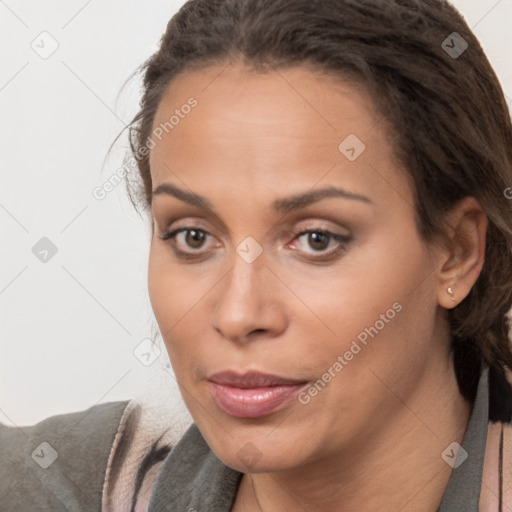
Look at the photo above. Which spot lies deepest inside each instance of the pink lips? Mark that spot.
(252, 394)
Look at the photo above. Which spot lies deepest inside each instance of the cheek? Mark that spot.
(177, 299)
(166, 301)
(173, 291)
(161, 299)
(365, 284)
(380, 313)
(377, 300)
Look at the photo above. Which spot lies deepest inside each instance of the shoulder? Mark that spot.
(145, 438)
(496, 490)
(60, 462)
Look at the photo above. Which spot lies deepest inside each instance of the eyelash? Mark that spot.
(342, 240)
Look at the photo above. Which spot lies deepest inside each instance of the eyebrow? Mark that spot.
(282, 205)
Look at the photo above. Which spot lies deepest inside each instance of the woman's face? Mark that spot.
(346, 315)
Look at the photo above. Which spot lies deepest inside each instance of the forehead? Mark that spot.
(234, 100)
(261, 127)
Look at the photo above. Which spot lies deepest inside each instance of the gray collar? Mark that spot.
(193, 478)
(463, 491)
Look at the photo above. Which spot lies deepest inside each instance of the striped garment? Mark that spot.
(126, 456)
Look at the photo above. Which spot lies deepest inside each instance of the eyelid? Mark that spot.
(312, 225)
(319, 225)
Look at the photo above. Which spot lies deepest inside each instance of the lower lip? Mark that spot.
(254, 402)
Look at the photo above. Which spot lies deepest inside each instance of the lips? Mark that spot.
(252, 394)
(252, 380)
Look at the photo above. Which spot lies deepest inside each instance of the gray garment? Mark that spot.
(463, 491)
(193, 478)
(71, 482)
(190, 478)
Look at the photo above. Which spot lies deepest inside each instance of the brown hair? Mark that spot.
(450, 123)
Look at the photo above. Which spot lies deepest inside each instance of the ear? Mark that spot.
(463, 258)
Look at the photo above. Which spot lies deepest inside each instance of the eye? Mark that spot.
(319, 240)
(192, 237)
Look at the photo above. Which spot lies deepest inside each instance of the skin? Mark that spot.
(372, 438)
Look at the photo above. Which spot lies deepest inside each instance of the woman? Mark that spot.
(328, 188)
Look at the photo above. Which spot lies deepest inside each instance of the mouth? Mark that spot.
(252, 394)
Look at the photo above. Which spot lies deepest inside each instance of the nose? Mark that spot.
(250, 303)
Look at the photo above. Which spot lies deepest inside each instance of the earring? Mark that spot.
(450, 291)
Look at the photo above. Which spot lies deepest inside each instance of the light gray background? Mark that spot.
(69, 326)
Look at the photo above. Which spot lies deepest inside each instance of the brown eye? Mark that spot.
(194, 238)
(318, 241)
(191, 241)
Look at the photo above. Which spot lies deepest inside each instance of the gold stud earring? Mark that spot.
(450, 291)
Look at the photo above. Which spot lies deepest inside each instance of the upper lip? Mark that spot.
(252, 379)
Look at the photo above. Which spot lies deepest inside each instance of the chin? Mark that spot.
(255, 453)
(248, 461)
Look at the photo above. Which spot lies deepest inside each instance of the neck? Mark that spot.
(398, 468)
